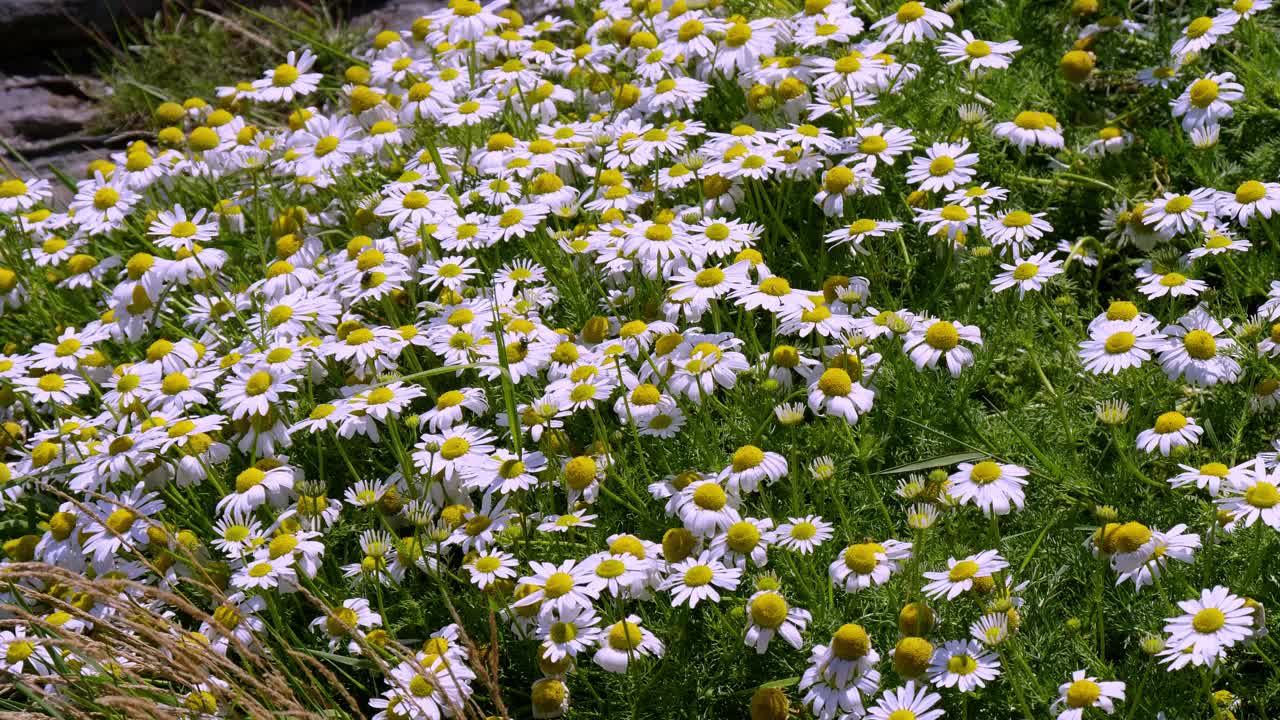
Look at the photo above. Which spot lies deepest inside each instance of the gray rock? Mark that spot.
(39, 26)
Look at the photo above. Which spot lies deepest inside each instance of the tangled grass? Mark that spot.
(865, 360)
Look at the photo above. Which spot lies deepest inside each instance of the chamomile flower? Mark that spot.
(1197, 351)
(1016, 229)
(1201, 34)
(1029, 274)
(978, 54)
(964, 665)
(624, 641)
(1171, 282)
(969, 573)
(803, 534)
(993, 487)
(835, 392)
(1030, 128)
(931, 340)
(697, 579)
(864, 565)
(1171, 430)
(907, 702)
(1178, 214)
(560, 588)
(1251, 496)
(769, 614)
(1116, 345)
(490, 567)
(911, 22)
(859, 230)
(944, 166)
(1108, 141)
(1250, 198)
(288, 80)
(1209, 626)
(1085, 691)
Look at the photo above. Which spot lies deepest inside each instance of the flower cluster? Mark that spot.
(560, 321)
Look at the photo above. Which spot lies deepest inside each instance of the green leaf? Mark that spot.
(940, 461)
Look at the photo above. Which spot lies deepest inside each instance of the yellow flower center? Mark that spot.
(1083, 693)
(909, 12)
(697, 576)
(1199, 27)
(12, 189)
(284, 75)
(258, 383)
(769, 610)
(121, 520)
(850, 642)
(1208, 620)
(1262, 495)
(51, 382)
(105, 198)
(985, 473)
(940, 165)
(710, 496)
(249, 479)
(1200, 345)
(625, 636)
(963, 570)
(861, 558)
(709, 278)
(1017, 219)
(558, 584)
(1170, 422)
(1025, 271)
(1250, 191)
(837, 179)
(454, 448)
(962, 664)
(743, 537)
(942, 335)
(1120, 342)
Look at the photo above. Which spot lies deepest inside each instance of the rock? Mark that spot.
(41, 26)
(395, 14)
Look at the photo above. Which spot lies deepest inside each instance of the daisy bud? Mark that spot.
(911, 656)
(203, 139)
(790, 89)
(357, 74)
(1077, 65)
(595, 329)
(1073, 624)
(677, 544)
(769, 703)
(915, 619)
(1105, 514)
(171, 136)
(21, 549)
(170, 113)
(420, 28)
(1152, 645)
(555, 668)
(768, 581)
(1084, 8)
(626, 96)
(1112, 412)
(549, 697)
(1225, 517)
